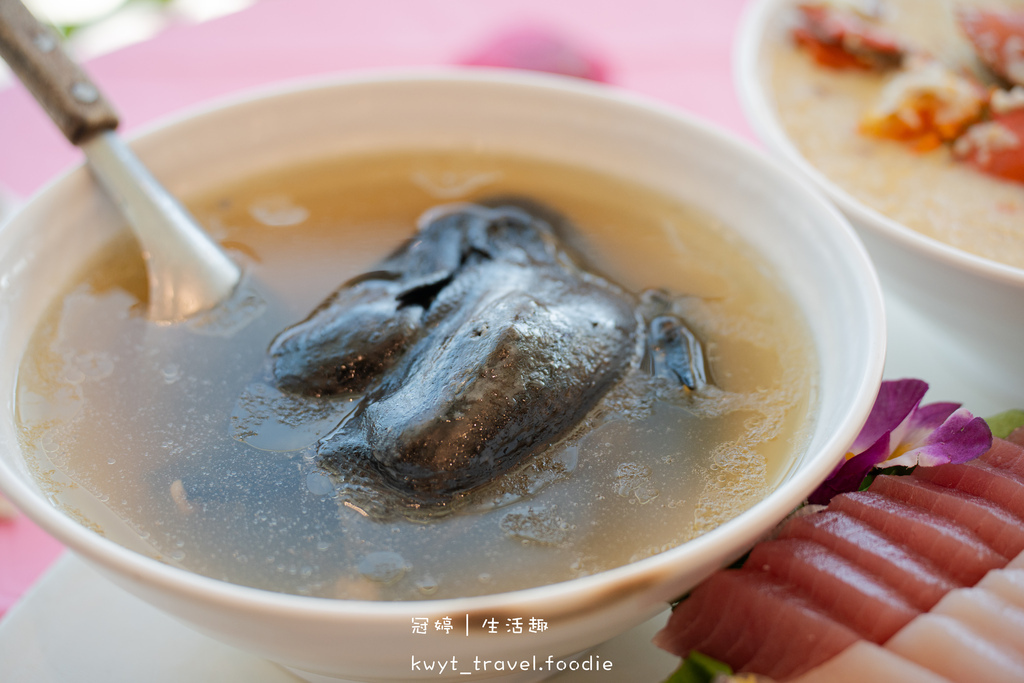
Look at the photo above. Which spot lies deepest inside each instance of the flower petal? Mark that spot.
(932, 416)
(895, 402)
(852, 472)
(961, 437)
(921, 422)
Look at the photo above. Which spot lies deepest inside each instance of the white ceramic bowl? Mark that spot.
(972, 307)
(810, 245)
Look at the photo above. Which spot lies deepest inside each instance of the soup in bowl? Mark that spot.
(695, 340)
(943, 229)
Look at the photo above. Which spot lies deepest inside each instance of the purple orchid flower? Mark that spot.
(901, 432)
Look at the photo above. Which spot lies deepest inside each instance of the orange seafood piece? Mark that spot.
(996, 147)
(842, 40)
(926, 104)
(998, 38)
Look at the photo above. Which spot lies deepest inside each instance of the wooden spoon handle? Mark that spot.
(34, 53)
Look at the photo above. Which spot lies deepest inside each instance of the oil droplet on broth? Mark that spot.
(383, 567)
(217, 456)
(427, 586)
(272, 420)
(448, 185)
(319, 483)
(171, 373)
(278, 212)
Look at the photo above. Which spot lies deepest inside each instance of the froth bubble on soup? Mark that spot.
(169, 439)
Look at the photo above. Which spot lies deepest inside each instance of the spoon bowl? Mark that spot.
(187, 271)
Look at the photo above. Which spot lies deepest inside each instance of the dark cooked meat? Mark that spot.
(474, 345)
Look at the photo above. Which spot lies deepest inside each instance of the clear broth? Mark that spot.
(163, 438)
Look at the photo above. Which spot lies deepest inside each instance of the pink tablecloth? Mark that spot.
(678, 51)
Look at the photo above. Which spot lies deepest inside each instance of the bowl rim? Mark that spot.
(658, 568)
(748, 71)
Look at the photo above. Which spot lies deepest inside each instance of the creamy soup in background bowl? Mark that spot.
(945, 238)
(136, 445)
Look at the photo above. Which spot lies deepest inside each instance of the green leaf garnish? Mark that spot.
(895, 470)
(1003, 424)
(698, 668)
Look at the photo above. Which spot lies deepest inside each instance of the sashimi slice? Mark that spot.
(1000, 530)
(947, 647)
(1005, 455)
(843, 590)
(866, 662)
(710, 617)
(767, 627)
(1016, 563)
(1017, 436)
(1007, 584)
(920, 581)
(789, 652)
(986, 614)
(965, 556)
(999, 486)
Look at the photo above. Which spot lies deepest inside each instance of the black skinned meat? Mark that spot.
(474, 345)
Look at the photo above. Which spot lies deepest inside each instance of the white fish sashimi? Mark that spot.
(986, 614)
(1016, 563)
(864, 661)
(946, 646)
(1007, 584)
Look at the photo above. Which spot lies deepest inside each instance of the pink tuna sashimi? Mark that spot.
(1000, 530)
(965, 556)
(843, 590)
(1017, 436)
(1001, 487)
(1005, 455)
(761, 624)
(864, 661)
(986, 614)
(949, 648)
(709, 619)
(792, 647)
(918, 580)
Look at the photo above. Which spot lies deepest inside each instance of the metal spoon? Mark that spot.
(187, 271)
